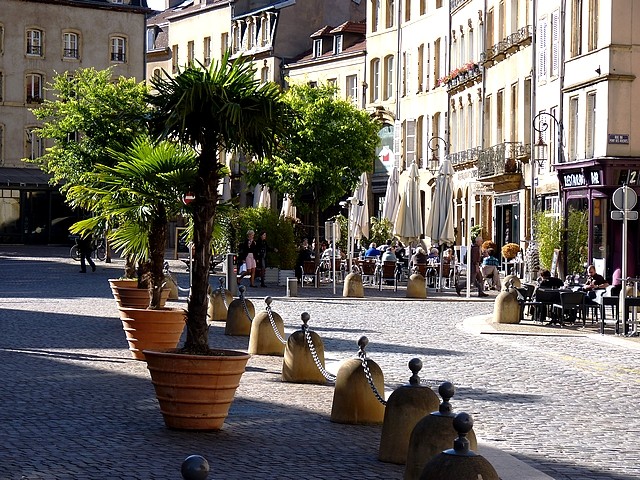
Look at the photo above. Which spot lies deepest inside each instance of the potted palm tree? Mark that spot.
(138, 194)
(217, 109)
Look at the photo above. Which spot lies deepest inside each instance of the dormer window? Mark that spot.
(317, 48)
(337, 44)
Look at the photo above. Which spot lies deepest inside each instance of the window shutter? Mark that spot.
(397, 136)
(542, 50)
(410, 142)
(555, 43)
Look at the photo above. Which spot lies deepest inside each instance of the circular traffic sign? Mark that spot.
(188, 197)
(618, 198)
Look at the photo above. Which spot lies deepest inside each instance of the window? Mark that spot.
(390, 13)
(513, 114)
(157, 74)
(206, 50)
(488, 41)
(500, 116)
(470, 141)
(525, 117)
(224, 43)
(174, 59)
(501, 22)
(317, 48)
(264, 31)
(118, 49)
(1, 39)
(407, 10)
(573, 128)
(375, 14)
(436, 60)
(34, 42)
(375, 79)
(251, 34)
(1, 144)
(593, 24)
(151, 38)
(555, 44)
(576, 28)
(33, 88)
(420, 67)
(438, 3)
(487, 121)
(591, 124)
(542, 50)
(514, 15)
(389, 71)
(190, 52)
(70, 42)
(337, 44)
(405, 68)
(33, 144)
(1, 86)
(351, 88)
(237, 35)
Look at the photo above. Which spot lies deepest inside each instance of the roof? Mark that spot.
(323, 32)
(22, 176)
(351, 27)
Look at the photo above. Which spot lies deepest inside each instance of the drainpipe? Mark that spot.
(532, 114)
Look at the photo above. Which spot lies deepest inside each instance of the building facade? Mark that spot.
(56, 36)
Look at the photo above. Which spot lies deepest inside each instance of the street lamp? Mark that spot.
(541, 125)
(433, 164)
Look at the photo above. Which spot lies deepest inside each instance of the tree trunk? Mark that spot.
(204, 208)
(157, 247)
(316, 226)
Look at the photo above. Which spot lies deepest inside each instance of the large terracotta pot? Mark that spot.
(195, 391)
(131, 296)
(157, 329)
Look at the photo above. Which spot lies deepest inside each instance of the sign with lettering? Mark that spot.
(619, 138)
(595, 177)
(574, 180)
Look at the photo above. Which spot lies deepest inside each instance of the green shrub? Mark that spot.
(548, 236)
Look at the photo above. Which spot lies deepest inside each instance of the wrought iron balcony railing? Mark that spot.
(501, 159)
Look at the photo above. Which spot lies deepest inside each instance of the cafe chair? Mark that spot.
(571, 306)
(309, 273)
(525, 297)
(541, 303)
(368, 268)
(388, 272)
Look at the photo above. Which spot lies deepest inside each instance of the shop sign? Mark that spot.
(576, 179)
(508, 199)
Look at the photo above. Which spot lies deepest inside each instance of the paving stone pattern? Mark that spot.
(75, 405)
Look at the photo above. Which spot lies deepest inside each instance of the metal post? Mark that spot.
(333, 253)
(232, 280)
(623, 306)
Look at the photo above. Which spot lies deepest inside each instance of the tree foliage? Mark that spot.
(92, 112)
(548, 235)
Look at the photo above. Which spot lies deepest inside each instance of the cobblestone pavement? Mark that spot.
(76, 406)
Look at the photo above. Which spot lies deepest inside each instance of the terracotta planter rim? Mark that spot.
(166, 309)
(223, 354)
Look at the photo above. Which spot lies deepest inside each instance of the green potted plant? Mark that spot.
(138, 194)
(215, 109)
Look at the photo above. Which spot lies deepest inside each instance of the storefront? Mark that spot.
(586, 189)
(507, 218)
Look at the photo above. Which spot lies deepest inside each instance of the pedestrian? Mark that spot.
(490, 266)
(304, 255)
(476, 273)
(261, 260)
(85, 247)
(247, 256)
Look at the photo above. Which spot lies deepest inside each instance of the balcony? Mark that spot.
(464, 159)
(507, 46)
(502, 165)
(463, 78)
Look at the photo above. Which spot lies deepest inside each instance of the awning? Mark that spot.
(23, 177)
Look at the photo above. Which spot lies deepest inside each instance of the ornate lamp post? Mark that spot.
(433, 164)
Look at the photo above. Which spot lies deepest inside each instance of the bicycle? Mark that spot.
(98, 250)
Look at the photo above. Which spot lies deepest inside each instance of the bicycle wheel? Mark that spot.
(75, 253)
(101, 253)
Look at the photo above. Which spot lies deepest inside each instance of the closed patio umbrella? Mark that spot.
(287, 210)
(408, 221)
(262, 197)
(359, 218)
(391, 199)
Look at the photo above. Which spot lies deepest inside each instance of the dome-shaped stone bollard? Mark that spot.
(416, 286)
(433, 434)
(459, 462)
(353, 286)
(513, 279)
(195, 467)
(506, 308)
(171, 284)
(219, 301)
(263, 339)
(405, 407)
(354, 401)
(239, 316)
(298, 365)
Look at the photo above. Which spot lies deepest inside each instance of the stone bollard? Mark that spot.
(353, 286)
(171, 284)
(433, 434)
(354, 400)
(506, 308)
(263, 339)
(459, 462)
(298, 365)
(239, 316)
(219, 301)
(514, 279)
(416, 286)
(405, 407)
(195, 467)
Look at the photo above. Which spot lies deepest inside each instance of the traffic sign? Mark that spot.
(618, 198)
(619, 215)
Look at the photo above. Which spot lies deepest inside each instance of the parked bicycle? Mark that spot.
(98, 249)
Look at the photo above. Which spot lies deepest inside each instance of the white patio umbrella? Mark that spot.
(226, 189)
(288, 210)
(391, 199)
(359, 214)
(408, 221)
(440, 222)
(262, 197)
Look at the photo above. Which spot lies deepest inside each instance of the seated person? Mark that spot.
(372, 251)
(489, 268)
(420, 257)
(434, 254)
(616, 282)
(389, 255)
(594, 282)
(547, 281)
(304, 254)
(401, 252)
